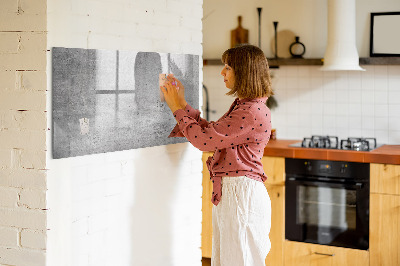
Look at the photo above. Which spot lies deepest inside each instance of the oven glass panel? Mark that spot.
(326, 207)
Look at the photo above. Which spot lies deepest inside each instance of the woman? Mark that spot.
(242, 208)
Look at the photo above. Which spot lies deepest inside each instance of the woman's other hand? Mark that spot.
(181, 92)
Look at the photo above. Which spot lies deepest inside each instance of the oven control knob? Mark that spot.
(308, 166)
(343, 168)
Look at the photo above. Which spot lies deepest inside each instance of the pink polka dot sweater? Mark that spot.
(238, 139)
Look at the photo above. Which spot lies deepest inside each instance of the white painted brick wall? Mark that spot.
(34, 239)
(22, 256)
(23, 16)
(33, 198)
(21, 100)
(123, 208)
(9, 237)
(23, 218)
(22, 178)
(8, 197)
(23, 132)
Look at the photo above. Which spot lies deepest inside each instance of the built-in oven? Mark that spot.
(327, 202)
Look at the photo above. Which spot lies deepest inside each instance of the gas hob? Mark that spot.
(332, 142)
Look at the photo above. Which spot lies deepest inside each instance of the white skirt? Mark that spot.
(241, 223)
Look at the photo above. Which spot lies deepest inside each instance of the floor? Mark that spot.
(206, 261)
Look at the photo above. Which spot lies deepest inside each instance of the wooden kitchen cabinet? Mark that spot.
(274, 168)
(385, 178)
(277, 233)
(384, 236)
(206, 225)
(305, 254)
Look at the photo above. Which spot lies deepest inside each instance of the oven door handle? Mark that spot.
(357, 185)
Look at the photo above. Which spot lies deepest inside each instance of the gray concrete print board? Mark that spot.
(109, 100)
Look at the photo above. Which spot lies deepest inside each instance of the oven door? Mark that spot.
(327, 213)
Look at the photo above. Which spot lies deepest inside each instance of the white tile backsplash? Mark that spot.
(382, 136)
(304, 72)
(381, 97)
(381, 122)
(342, 123)
(394, 82)
(343, 103)
(355, 96)
(304, 82)
(342, 81)
(342, 109)
(292, 83)
(367, 96)
(291, 71)
(394, 110)
(380, 71)
(394, 137)
(381, 110)
(368, 123)
(393, 71)
(329, 109)
(381, 83)
(394, 123)
(394, 97)
(367, 110)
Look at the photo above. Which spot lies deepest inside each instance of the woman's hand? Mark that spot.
(171, 94)
(181, 92)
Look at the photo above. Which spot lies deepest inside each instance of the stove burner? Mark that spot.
(328, 142)
(358, 144)
(332, 142)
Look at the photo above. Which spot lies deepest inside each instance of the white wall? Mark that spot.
(136, 207)
(23, 133)
(305, 18)
(311, 102)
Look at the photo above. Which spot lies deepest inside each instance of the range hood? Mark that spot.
(341, 51)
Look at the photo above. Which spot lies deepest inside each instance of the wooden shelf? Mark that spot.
(380, 61)
(273, 63)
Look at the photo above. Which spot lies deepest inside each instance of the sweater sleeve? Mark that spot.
(193, 113)
(229, 131)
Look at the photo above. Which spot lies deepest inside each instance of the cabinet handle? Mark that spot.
(325, 254)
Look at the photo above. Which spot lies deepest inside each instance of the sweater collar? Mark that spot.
(261, 99)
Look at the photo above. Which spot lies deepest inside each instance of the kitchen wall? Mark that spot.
(343, 103)
(135, 207)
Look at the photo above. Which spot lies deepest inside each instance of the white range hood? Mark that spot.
(341, 51)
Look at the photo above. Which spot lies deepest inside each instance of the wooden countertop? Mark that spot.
(389, 154)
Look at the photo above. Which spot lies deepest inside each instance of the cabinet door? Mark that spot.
(274, 168)
(277, 233)
(206, 232)
(384, 230)
(385, 178)
(305, 254)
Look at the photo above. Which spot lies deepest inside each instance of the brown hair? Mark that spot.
(250, 66)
